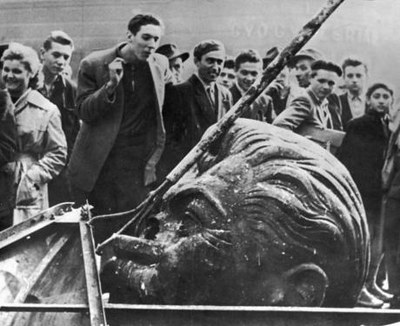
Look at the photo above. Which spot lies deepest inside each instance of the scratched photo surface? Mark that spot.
(366, 29)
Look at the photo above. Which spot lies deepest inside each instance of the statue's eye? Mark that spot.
(189, 224)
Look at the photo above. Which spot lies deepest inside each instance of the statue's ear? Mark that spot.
(306, 286)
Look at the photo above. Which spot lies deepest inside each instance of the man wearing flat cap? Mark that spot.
(196, 104)
(309, 113)
(176, 59)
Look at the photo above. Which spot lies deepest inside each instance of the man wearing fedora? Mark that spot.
(176, 59)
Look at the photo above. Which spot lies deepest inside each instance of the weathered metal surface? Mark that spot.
(41, 262)
(93, 287)
(124, 315)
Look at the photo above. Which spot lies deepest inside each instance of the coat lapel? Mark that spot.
(203, 101)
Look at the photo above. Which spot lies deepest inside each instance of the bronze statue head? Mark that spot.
(265, 218)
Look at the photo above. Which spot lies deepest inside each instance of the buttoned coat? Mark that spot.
(346, 114)
(362, 153)
(41, 152)
(102, 117)
(188, 113)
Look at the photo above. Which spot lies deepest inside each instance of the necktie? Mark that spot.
(210, 92)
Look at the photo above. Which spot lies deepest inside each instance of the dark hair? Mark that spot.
(325, 65)
(58, 37)
(140, 20)
(376, 86)
(353, 62)
(207, 46)
(229, 63)
(249, 55)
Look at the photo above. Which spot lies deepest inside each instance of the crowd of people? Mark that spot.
(113, 136)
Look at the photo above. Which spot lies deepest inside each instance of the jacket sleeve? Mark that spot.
(297, 112)
(8, 129)
(92, 101)
(54, 152)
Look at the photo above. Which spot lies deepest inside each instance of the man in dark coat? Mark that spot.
(120, 95)
(56, 54)
(362, 152)
(193, 106)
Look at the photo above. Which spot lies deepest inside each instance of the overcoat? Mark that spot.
(102, 117)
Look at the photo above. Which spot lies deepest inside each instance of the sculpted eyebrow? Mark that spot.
(215, 203)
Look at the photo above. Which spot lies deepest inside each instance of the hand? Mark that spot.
(27, 192)
(277, 84)
(116, 73)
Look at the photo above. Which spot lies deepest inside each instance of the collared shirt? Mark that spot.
(210, 89)
(322, 111)
(357, 105)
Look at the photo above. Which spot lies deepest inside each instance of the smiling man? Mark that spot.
(311, 108)
(248, 67)
(120, 95)
(196, 104)
(56, 55)
(200, 101)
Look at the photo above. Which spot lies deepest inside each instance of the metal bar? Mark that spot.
(96, 309)
(31, 225)
(34, 307)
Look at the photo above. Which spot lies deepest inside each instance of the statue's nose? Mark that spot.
(140, 250)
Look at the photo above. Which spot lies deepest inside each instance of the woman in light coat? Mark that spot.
(41, 145)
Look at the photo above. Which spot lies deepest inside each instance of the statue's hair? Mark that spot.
(304, 199)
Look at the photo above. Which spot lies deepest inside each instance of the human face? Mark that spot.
(15, 77)
(355, 78)
(303, 71)
(176, 67)
(144, 43)
(227, 77)
(247, 74)
(210, 66)
(380, 101)
(56, 58)
(323, 82)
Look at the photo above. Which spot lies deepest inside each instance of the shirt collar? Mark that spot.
(353, 98)
(241, 90)
(314, 97)
(206, 87)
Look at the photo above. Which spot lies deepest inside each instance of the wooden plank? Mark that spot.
(96, 308)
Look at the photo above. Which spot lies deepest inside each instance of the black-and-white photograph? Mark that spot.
(214, 162)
